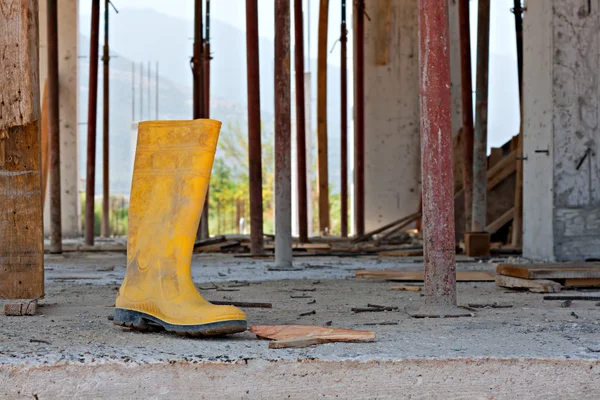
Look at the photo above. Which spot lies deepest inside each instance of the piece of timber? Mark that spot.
(304, 246)
(217, 247)
(500, 222)
(579, 270)
(297, 343)
(402, 253)
(581, 282)
(382, 39)
(287, 332)
(368, 235)
(407, 288)
(417, 276)
(533, 285)
(45, 128)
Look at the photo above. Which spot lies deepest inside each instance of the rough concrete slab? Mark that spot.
(71, 349)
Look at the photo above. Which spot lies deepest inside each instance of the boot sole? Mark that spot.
(147, 323)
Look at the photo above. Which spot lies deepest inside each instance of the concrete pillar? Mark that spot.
(392, 144)
(561, 177)
(68, 33)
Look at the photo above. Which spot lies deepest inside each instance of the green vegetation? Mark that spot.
(118, 215)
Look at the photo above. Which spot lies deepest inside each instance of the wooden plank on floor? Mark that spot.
(418, 276)
(304, 246)
(401, 253)
(581, 282)
(574, 270)
(533, 285)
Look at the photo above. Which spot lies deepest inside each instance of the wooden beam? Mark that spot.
(382, 38)
(323, 172)
(578, 270)
(416, 276)
(500, 222)
(21, 240)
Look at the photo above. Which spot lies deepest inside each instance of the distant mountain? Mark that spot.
(143, 35)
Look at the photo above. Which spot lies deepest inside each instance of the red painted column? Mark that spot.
(254, 142)
(436, 162)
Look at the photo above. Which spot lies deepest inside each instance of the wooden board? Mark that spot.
(581, 282)
(576, 270)
(382, 38)
(402, 253)
(326, 334)
(533, 285)
(304, 246)
(407, 288)
(418, 276)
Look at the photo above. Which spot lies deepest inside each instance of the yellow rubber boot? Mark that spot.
(172, 169)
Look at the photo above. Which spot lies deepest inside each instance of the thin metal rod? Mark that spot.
(517, 228)
(149, 87)
(132, 93)
(322, 151)
(141, 91)
(199, 104)
(254, 140)
(467, 107)
(105, 225)
(436, 156)
(344, 124)
(156, 93)
(204, 220)
(54, 125)
(91, 138)
(359, 127)
(300, 122)
(481, 112)
(283, 175)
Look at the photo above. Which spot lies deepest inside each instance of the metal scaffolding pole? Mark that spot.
(344, 124)
(481, 111)
(436, 162)
(204, 228)
(254, 141)
(359, 117)
(54, 125)
(300, 121)
(322, 161)
(91, 137)
(105, 225)
(283, 175)
(156, 93)
(517, 231)
(467, 107)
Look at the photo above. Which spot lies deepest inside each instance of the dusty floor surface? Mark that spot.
(536, 349)
(73, 326)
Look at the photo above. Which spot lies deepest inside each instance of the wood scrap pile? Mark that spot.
(548, 278)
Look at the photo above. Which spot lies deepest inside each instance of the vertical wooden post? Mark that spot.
(283, 150)
(254, 141)
(54, 125)
(322, 165)
(21, 236)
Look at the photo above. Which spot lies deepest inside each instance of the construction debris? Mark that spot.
(573, 298)
(408, 288)
(297, 336)
(21, 308)
(548, 278)
(242, 304)
(418, 276)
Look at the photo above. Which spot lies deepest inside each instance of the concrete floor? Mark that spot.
(498, 352)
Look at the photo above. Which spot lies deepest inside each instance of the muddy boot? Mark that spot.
(172, 169)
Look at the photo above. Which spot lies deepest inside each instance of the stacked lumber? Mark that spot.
(548, 278)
